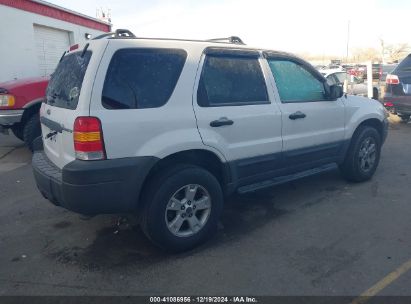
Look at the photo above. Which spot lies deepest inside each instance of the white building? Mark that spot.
(34, 34)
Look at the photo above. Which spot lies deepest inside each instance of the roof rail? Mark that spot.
(231, 39)
(120, 33)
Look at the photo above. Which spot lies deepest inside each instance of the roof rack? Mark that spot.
(231, 39)
(120, 33)
(123, 33)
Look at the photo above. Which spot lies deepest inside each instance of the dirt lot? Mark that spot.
(317, 236)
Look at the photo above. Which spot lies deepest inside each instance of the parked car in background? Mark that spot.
(357, 71)
(320, 67)
(20, 102)
(329, 70)
(398, 89)
(387, 69)
(376, 71)
(357, 87)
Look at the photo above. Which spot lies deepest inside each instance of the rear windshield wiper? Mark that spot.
(84, 50)
(62, 56)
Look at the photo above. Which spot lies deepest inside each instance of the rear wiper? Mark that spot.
(62, 56)
(84, 50)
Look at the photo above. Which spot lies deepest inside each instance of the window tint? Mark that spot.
(230, 80)
(405, 65)
(142, 78)
(295, 83)
(65, 83)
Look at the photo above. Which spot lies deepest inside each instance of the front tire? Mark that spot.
(182, 206)
(375, 94)
(18, 131)
(363, 155)
(32, 130)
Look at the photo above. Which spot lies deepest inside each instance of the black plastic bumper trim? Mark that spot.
(93, 187)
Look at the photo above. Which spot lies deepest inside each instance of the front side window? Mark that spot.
(142, 78)
(295, 83)
(231, 80)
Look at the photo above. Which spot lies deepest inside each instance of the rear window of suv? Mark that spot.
(142, 78)
(65, 83)
(405, 64)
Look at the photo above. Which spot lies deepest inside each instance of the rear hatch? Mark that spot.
(403, 71)
(63, 105)
(401, 92)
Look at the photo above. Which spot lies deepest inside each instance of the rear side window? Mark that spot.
(142, 78)
(65, 83)
(405, 65)
(230, 80)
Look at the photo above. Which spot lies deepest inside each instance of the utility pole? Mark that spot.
(345, 87)
(348, 41)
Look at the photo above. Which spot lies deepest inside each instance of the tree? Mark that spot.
(395, 52)
(365, 54)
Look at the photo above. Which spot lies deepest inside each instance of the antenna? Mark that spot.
(103, 14)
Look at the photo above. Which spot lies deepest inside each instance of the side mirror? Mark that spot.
(336, 92)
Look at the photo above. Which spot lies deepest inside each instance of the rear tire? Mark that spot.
(177, 215)
(375, 94)
(18, 131)
(363, 155)
(32, 130)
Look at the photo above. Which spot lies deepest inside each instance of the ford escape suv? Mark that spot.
(167, 128)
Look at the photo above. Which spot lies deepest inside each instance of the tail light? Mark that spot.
(74, 47)
(88, 139)
(388, 104)
(392, 79)
(7, 101)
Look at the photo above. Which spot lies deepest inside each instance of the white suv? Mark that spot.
(168, 128)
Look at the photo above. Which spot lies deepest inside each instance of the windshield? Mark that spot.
(65, 83)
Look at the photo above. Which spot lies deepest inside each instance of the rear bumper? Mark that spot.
(10, 117)
(92, 187)
(401, 104)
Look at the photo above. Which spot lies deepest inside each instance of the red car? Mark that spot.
(20, 102)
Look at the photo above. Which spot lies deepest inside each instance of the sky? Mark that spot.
(316, 27)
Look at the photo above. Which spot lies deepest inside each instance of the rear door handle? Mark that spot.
(297, 115)
(223, 121)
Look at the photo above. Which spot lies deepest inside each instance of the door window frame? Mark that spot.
(231, 52)
(286, 57)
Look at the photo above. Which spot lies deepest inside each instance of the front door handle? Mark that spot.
(223, 121)
(297, 115)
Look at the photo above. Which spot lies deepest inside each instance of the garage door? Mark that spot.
(50, 45)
